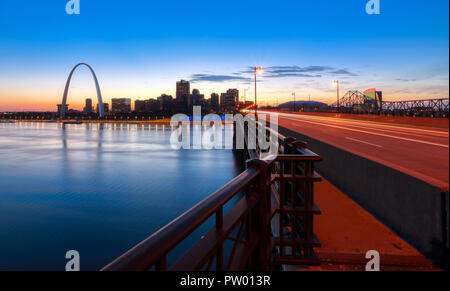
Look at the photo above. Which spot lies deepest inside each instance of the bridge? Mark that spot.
(356, 102)
(398, 170)
(437, 107)
(268, 217)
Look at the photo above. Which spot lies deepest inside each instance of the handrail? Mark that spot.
(147, 253)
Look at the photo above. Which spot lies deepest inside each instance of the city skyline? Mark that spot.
(183, 101)
(403, 51)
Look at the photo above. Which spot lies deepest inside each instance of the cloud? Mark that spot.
(343, 72)
(217, 78)
(297, 69)
(290, 75)
(405, 80)
(305, 72)
(293, 71)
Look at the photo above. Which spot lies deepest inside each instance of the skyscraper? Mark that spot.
(183, 96)
(121, 105)
(88, 106)
(140, 106)
(66, 108)
(233, 96)
(105, 108)
(223, 97)
(197, 98)
(229, 100)
(166, 102)
(183, 89)
(215, 102)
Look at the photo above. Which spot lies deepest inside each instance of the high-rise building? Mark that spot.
(197, 98)
(121, 105)
(166, 102)
(183, 96)
(153, 105)
(223, 97)
(105, 108)
(66, 108)
(183, 89)
(140, 106)
(233, 96)
(229, 100)
(215, 102)
(88, 106)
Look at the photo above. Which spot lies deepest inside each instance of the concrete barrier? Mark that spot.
(415, 210)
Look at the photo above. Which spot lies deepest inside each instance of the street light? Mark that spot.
(259, 71)
(336, 83)
(295, 107)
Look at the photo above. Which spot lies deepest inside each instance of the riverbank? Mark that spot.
(157, 121)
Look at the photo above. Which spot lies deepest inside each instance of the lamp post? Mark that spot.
(258, 70)
(295, 106)
(336, 83)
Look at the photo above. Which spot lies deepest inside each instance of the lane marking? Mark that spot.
(374, 133)
(399, 131)
(361, 141)
(359, 122)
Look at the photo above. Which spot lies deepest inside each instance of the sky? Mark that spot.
(140, 48)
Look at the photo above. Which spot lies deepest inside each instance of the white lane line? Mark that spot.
(407, 132)
(375, 133)
(373, 123)
(361, 141)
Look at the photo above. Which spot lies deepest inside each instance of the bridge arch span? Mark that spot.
(66, 91)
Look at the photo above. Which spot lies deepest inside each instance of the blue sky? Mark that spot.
(139, 48)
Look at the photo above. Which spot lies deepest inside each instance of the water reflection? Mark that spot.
(95, 188)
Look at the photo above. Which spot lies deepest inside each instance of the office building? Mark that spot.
(88, 106)
(121, 105)
(66, 108)
(215, 102)
(166, 102)
(140, 106)
(105, 108)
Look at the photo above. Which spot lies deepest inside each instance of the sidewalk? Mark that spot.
(347, 232)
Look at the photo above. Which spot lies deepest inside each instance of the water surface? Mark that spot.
(98, 190)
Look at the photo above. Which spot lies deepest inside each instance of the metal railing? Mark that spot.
(272, 223)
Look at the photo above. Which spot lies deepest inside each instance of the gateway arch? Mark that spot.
(66, 90)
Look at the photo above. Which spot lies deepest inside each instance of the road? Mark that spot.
(418, 151)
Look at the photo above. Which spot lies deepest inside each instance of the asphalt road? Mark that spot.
(418, 151)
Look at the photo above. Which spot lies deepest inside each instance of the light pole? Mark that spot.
(336, 83)
(258, 70)
(295, 106)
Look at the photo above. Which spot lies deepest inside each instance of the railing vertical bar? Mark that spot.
(219, 218)
(219, 227)
(162, 263)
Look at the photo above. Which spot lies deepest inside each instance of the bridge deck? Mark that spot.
(418, 152)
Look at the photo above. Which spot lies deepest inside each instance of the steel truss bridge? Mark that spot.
(353, 101)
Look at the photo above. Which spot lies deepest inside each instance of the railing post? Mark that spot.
(260, 217)
(219, 227)
(162, 264)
